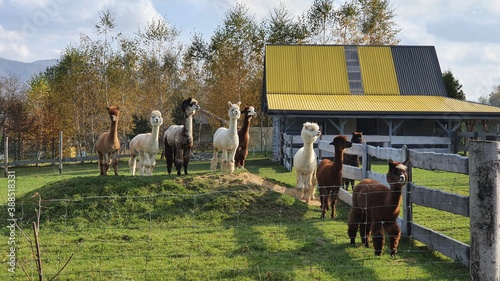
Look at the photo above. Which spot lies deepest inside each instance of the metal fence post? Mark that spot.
(60, 152)
(6, 157)
(484, 206)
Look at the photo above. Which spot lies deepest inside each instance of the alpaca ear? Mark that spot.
(229, 103)
(239, 103)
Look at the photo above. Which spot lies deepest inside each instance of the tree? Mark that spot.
(235, 60)
(453, 86)
(321, 20)
(377, 25)
(282, 29)
(494, 97)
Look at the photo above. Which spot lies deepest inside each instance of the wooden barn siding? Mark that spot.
(413, 194)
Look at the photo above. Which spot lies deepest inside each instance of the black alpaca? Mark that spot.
(352, 160)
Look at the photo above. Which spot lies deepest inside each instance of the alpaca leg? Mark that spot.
(378, 237)
(187, 154)
(230, 161)
(333, 202)
(115, 162)
(345, 183)
(300, 186)
(394, 232)
(364, 232)
(169, 157)
(353, 223)
(323, 196)
(132, 164)
(153, 163)
(104, 164)
(215, 161)
(352, 184)
(179, 159)
(224, 165)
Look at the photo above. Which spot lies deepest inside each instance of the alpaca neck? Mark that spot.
(246, 124)
(232, 126)
(395, 195)
(113, 130)
(308, 148)
(339, 160)
(154, 134)
(188, 127)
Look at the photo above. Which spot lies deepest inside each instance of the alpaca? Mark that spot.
(146, 146)
(329, 176)
(352, 160)
(305, 161)
(178, 139)
(244, 136)
(375, 209)
(108, 145)
(226, 140)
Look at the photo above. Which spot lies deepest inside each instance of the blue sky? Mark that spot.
(466, 34)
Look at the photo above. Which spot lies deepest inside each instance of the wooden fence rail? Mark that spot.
(440, 200)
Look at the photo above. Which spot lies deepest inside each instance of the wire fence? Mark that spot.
(173, 236)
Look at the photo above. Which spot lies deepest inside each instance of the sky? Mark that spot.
(465, 33)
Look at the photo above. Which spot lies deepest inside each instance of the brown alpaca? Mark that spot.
(108, 144)
(375, 209)
(329, 175)
(244, 137)
(352, 159)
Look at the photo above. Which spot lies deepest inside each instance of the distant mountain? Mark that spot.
(24, 70)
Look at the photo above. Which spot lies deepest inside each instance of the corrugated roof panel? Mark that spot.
(306, 69)
(374, 103)
(377, 70)
(418, 70)
(282, 69)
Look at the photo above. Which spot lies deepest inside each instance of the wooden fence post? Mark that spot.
(484, 206)
(407, 206)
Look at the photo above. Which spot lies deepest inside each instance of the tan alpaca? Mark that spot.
(108, 144)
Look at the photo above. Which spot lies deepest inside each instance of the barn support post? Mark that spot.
(484, 206)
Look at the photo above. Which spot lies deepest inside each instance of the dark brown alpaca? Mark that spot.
(329, 175)
(244, 137)
(351, 159)
(178, 139)
(108, 145)
(375, 209)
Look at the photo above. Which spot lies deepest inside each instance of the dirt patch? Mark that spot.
(249, 177)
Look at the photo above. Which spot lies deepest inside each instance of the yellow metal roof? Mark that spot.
(378, 72)
(374, 103)
(319, 70)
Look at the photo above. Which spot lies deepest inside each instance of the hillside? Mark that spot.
(24, 70)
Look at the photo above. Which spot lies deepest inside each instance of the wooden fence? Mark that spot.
(483, 255)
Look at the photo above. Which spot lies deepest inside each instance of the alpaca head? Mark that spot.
(189, 107)
(114, 112)
(310, 132)
(249, 111)
(234, 110)
(357, 137)
(156, 119)
(341, 143)
(397, 173)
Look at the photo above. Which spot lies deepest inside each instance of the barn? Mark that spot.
(395, 95)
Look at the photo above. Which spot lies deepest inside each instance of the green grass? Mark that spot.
(203, 226)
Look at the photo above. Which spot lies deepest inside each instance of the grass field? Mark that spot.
(204, 226)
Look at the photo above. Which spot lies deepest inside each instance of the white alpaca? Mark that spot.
(305, 161)
(226, 140)
(146, 146)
